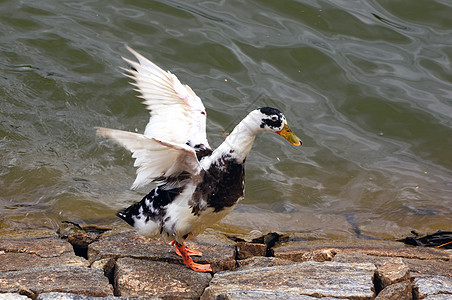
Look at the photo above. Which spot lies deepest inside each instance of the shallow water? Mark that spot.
(367, 86)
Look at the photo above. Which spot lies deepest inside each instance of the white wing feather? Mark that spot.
(154, 158)
(176, 125)
(177, 114)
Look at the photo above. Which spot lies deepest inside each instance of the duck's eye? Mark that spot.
(274, 118)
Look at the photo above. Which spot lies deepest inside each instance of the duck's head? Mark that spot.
(273, 120)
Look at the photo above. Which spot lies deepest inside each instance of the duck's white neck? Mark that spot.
(239, 143)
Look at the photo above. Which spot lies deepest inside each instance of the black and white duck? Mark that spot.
(196, 186)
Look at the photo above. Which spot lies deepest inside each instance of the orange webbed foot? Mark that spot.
(188, 261)
(189, 251)
(199, 267)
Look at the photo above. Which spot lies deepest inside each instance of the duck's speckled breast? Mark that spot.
(221, 185)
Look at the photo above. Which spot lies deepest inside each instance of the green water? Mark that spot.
(367, 85)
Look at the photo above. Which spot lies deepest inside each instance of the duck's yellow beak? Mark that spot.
(289, 136)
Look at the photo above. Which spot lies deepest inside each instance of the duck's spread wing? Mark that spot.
(177, 114)
(156, 160)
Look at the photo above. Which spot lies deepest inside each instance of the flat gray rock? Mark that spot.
(139, 277)
(217, 250)
(306, 278)
(439, 297)
(268, 295)
(260, 262)
(19, 254)
(432, 285)
(297, 251)
(50, 246)
(77, 280)
(69, 296)
(13, 296)
(21, 261)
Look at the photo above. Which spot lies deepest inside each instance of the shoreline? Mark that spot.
(118, 265)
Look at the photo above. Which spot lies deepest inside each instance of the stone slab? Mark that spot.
(438, 297)
(13, 296)
(297, 251)
(432, 285)
(246, 250)
(18, 254)
(257, 294)
(56, 279)
(420, 267)
(360, 258)
(217, 250)
(260, 262)
(70, 296)
(20, 261)
(44, 247)
(306, 278)
(129, 244)
(146, 278)
(417, 267)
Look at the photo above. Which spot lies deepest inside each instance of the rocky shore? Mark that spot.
(126, 266)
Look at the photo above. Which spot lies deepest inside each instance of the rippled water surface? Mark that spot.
(366, 84)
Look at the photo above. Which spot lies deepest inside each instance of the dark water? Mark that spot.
(366, 84)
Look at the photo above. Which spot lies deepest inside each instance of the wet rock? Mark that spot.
(260, 262)
(217, 250)
(19, 254)
(306, 278)
(56, 279)
(44, 247)
(138, 277)
(13, 296)
(392, 271)
(398, 291)
(432, 285)
(246, 250)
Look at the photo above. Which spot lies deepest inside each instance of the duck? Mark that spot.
(195, 186)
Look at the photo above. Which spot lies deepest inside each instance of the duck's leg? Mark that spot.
(188, 261)
(189, 251)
